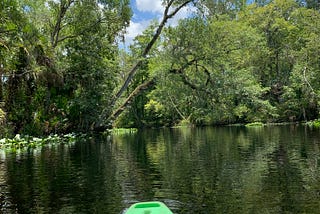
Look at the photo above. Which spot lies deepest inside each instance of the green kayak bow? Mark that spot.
(150, 207)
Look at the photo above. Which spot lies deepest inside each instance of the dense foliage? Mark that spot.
(239, 64)
(228, 63)
(58, 62)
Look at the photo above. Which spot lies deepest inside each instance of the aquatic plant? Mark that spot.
(255, 124)
(119, 131)
(314, 123)
(26, 141)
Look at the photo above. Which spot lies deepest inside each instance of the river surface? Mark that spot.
(192, 170)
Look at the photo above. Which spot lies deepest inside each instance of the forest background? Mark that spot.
(62, 69)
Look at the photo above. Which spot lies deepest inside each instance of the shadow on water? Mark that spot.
(192, 170)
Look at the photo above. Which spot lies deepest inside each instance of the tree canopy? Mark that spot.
(229, 62)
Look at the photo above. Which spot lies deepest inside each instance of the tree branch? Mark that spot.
(178, 8)
(185, 79)
(131, 73)
(206, 71)
(135, 67)
(81, 32)
(306, 80)
(56, 31)
(138, 90)
(176, 107)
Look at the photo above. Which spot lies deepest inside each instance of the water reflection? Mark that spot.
(193, 170)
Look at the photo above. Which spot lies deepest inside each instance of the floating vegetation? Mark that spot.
(255, 124)
(314, 123)
(19, 142)
(119, 131)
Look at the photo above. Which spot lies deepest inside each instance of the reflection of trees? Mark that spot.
(63, 179)
(5, 200)
(227, 170)
(194, 170)
(274, 182)
(137, 173)
(310, 169)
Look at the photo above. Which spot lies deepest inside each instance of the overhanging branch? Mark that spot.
(187, 81)
(138, 90)
(132, 71)
(166, 16)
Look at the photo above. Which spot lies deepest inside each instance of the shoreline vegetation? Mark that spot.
(227, 63)
(30, 142)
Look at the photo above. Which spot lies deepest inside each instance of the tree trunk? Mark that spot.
(166, 16)
(64, 6)
(131, 73)
(138, 90)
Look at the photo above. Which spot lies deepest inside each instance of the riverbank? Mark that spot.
(26, 141)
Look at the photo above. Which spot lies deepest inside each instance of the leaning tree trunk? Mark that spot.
(131, 73)
(166, 16)
(138, 90)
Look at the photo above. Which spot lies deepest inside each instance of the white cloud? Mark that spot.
(154, 6)
(134, 29)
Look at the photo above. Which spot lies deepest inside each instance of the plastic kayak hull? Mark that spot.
(150, 207)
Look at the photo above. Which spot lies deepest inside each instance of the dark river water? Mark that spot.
(192, 170)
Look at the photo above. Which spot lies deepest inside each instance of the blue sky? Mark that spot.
(144, 11)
